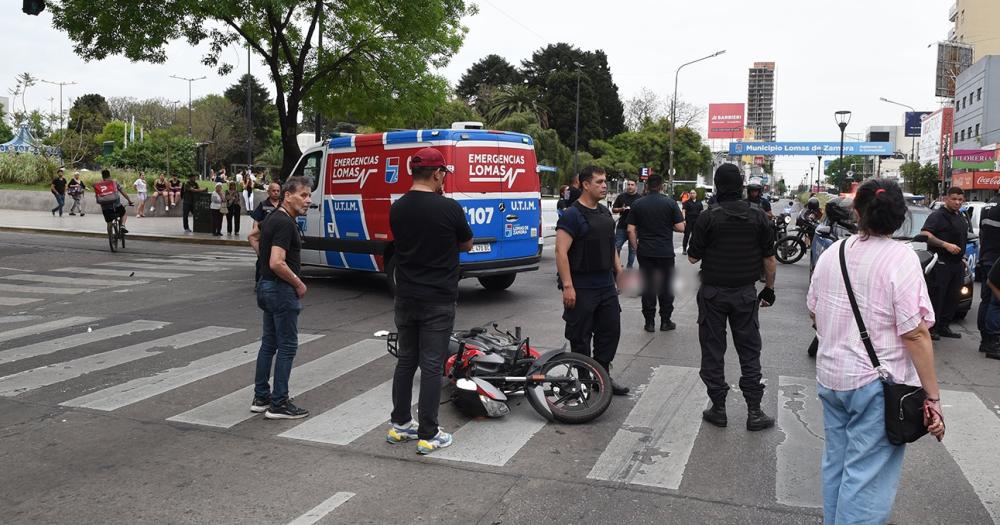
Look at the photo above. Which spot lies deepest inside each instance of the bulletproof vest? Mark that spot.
(733, 256)
(989, 234)
(594, 249)
(755, 204)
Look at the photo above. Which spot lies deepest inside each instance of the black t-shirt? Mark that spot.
(60, 185)
(654, 217)
(188, 190)
(282, 231)
(949, 227)
(574, 194)
(427, 229)
(262, 210)
(624, 200)
(692, 209)
(76, 187)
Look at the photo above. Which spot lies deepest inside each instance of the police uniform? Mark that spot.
(731, 240)
(989, 253)
(946, 278)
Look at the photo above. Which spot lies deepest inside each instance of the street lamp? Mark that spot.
(810, 173)
(843, 117)
(60, 84)
(912, 142)
(189, 81)
(576, 127)
(673, 114)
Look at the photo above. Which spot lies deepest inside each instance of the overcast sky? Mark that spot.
(830, 55)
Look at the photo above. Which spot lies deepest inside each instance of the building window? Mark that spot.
(958, 105)
(963, 102)
(977, 130)
(963, 135)
(956, 136)
(970, 132)
(979, 94)
(971, 96)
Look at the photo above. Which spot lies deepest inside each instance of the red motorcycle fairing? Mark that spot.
(470, 352)
(483, 387)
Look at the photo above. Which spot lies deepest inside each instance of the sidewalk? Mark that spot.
(167, 229)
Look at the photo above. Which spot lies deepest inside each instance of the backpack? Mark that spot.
(106, 191)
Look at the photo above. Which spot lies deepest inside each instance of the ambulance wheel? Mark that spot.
(390, 275)
(498, 282)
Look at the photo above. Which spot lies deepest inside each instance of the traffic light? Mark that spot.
(33, 7)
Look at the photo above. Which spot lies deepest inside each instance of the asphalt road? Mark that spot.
(126, 403)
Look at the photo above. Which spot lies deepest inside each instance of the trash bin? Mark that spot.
(202, 212)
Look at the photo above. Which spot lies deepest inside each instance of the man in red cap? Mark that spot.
(429, 230)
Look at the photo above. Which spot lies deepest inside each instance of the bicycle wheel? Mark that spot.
(113, 236)
(121, 236)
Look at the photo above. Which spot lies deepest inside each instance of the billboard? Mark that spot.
(725, 121)
(952, 59)
(973, 159)
(912, 124)
(976, 180)
(809, 148)
(930, 138)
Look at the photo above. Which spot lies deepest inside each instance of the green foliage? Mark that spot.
(76, 147)
(549, 150)
(25, 168)
(508, 100)
(780, 187)
(920, 180)
(113, 131)
(35, 121)
(160, 152)
(151, 113)
(560, 98)
(836, 172)
(650, 147)
(89, 114)
(491, 71)
(6, 132)
(263, 116)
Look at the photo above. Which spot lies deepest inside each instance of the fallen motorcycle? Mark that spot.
(487, 368)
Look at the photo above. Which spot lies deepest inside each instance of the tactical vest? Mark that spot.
(594, 249)
(733, 256)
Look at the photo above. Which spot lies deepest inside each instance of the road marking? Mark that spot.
(232, 409)
(351, 419)
(800, 417)
(320, 511)
(217, 258)
(138, 266)
(172, 261)
(494, 441)
(79, 281)
(142, 388)
(21, 288)
(18, 318)
(75, 340)
(122, 273)
(653, 446)
(971, 440)
(45, 327)
(42, 376)
(17, 301)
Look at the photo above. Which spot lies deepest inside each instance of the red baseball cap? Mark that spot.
(428, 158)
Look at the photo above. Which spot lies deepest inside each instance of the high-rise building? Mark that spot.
(760, 101)
(976, 23)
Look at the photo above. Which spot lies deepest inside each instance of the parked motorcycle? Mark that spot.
(790, 248)
(781, 223)
(487, 368)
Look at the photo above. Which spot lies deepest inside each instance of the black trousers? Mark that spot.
(657, 285)
(984, 294)
(424, 330)
(688, 228)
(738, 307)
(946, 286)
(216, 222)
(233, 215)
(595, 319)
(186, 209)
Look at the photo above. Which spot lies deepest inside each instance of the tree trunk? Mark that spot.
(289, 142)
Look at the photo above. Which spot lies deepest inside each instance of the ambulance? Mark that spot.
(356, 178)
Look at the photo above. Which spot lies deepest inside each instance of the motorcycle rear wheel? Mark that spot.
(789, 249)
(582, 406)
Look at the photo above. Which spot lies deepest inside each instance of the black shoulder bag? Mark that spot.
(904, 404)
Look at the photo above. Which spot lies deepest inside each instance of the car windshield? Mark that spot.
(915, 219)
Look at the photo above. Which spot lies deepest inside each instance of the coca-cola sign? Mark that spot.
(989, 181)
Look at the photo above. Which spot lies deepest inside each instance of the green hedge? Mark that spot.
(25, 168)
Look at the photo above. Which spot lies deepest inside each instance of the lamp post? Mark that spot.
(60, 84)
(843, 117)
(912, 142)
(810, 173)
(673, 115)
(819, 169)
(576, 127)
(189, 81)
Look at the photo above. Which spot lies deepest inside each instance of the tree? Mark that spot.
(920, 180)
(263, 116)
(151, 113)
(89, 114)
(560, 97)
(836, 172)
(643, 109)
(21, 85)
(6, 132)
(215, 120)
(687, 114)
(386, 50)
(518, 99)
(492, 71)
(649, 147)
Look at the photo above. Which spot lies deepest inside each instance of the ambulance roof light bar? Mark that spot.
(467, 125)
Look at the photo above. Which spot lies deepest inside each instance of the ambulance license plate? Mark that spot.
(481, 248)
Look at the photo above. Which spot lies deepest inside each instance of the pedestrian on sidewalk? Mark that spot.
(258, 215)
(860, 468)
(588, 267)
(651, 224)
(217, 206)
(187, 206)
(947, 232)
(75, 188)
(279, 293)
(232, 204)
(622, 206)
(692, 209)
(430, 231)
(140, 191)
(58, 189)
(733, 242)
(175, 190)
(249, 182)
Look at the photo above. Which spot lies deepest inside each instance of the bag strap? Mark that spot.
(882, 372)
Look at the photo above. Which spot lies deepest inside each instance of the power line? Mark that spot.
(516, 21)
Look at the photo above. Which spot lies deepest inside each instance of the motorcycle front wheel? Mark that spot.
(789, 249)
(579, 392)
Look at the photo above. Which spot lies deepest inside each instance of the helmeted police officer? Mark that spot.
(588, 265)
(755, 198)
(733, 242)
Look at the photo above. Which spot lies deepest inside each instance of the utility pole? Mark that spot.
(189, 81)
(576, 127)
(673, 115)
(319, 58)
(60, 84)
(249, 116)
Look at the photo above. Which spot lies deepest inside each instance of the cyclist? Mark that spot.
(107, 192)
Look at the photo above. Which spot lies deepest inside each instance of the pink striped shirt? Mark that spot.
(889, 286)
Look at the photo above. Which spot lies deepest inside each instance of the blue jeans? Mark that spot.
(621, 238)
(860, 467)
(424, 333)
(60, 202)
(991, 314)
(279, 340)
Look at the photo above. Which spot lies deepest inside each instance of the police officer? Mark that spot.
(732, 241)
(651, 224)
(947, 232)
(692, 209)
(989, 253)
(588, 266)
(755, 198)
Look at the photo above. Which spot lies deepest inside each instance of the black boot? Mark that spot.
(616, 388)
(987, 343)
(758, 420)
(650, 326)
(667, 325)
(993, 353)
(945, 331)
(716, 415)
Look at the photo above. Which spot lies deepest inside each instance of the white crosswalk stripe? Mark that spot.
(800, 417)
(233, 408)
(654, 443)
(494, 441)
(49, 326)
(186, 262)
(22, 288)
(36, 378)
(142, 388)
(122, 273)
(17, 301)
(72, 341)
(11, 319)
(157, 267)
(971, 440)
(76, 281)
(323, 509)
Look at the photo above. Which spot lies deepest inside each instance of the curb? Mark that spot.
(131, 236)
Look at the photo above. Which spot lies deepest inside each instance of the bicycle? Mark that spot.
(116, 234)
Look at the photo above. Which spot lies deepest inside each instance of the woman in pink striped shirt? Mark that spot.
(860, 467)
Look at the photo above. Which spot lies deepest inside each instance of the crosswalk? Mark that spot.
(652, 442)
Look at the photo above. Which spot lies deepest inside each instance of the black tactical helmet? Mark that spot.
(812, 203)
(840, 210)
